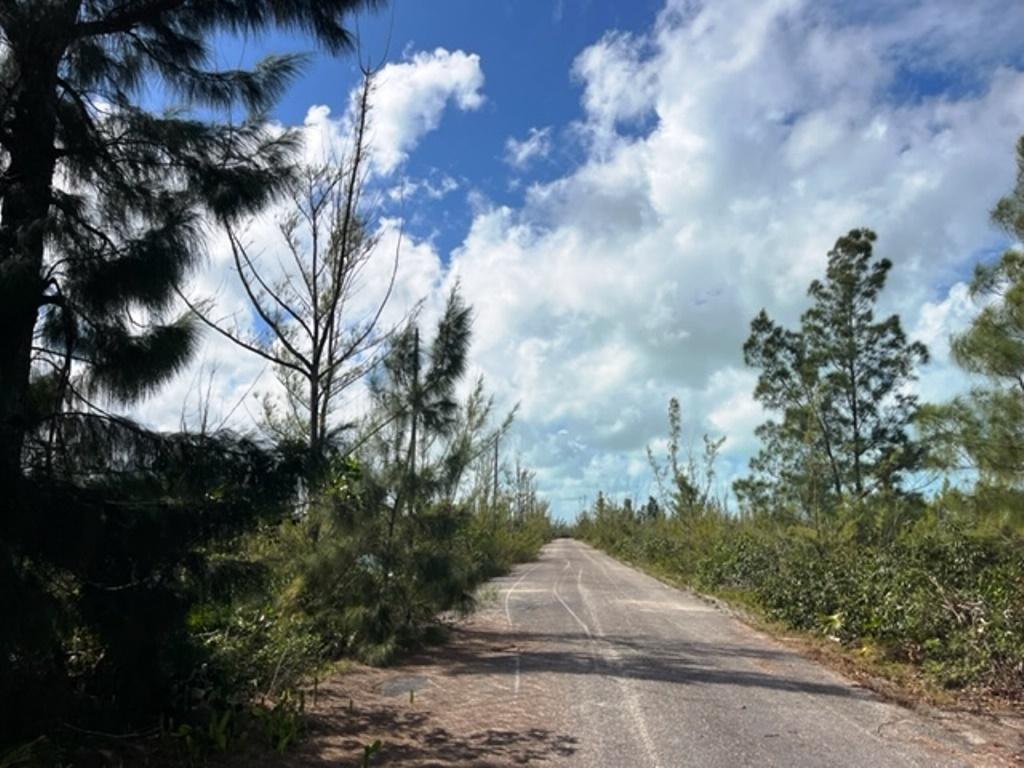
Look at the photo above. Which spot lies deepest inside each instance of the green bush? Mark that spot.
(940, 594)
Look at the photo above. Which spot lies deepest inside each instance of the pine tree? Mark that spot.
(416, 406)
(839, 385)
(101, 199)
(984, 431)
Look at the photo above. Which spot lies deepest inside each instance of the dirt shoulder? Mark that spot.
(449, 705)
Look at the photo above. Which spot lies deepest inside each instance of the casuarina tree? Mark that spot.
(106, 190)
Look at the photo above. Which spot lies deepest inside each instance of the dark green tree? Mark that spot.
(101, 198)
(839, 386)
(984, 430)
(107, 530)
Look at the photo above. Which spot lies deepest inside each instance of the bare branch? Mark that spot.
(238, 254)
(276, 360)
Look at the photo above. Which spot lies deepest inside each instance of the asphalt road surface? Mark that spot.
(636, 673)
(578, 660)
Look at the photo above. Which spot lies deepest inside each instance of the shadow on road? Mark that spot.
(639, 657)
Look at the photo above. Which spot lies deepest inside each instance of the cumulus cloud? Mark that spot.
(519, 153)
(410, 97)
(408, 101)
(617, 85)
(725, 151)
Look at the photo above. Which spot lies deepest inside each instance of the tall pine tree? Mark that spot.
(839, 386)
(102, 204)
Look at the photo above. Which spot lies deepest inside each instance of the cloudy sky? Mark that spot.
(620, 187)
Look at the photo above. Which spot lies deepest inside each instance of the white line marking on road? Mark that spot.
(611, 656)
(508, 618)
(513, 588)
(558, 597)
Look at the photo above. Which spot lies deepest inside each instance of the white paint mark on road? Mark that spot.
(657, 606)
(513, 588)
(613, 658)
(558, 597)
(508, 618)
(611, 582)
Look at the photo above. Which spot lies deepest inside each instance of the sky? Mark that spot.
(620, 187)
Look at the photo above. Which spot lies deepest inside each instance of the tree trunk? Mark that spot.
(24, 210)
(315, 432)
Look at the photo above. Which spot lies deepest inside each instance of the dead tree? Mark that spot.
(306, 324)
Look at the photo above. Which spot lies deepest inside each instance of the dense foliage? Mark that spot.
(211, 578)
(941, 594)
(107, 529)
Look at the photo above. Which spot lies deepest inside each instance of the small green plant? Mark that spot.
(369, 751)
(189, 745)
(218, 731)
(282, 723)
(487, 595)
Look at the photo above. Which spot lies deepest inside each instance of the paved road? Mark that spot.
(636, 673)
(578, 660)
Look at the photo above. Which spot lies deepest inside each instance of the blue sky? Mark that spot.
(528, 50)
(619, 187)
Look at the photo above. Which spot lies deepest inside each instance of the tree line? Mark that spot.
(176, 593)
(839, 527)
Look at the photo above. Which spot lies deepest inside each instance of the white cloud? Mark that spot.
(734, 413)
(409, 188)
(410, 98)
(408, 101)
(937, 322)
(773, 129)
(519, 153)
(617, 85)
(724, 152)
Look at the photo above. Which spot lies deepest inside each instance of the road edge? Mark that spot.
(842, 661)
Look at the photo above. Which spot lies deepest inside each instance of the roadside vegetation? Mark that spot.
(169, 596)
(173, 595)
(893, 527)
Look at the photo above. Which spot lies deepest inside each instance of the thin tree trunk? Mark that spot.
(315, 434)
